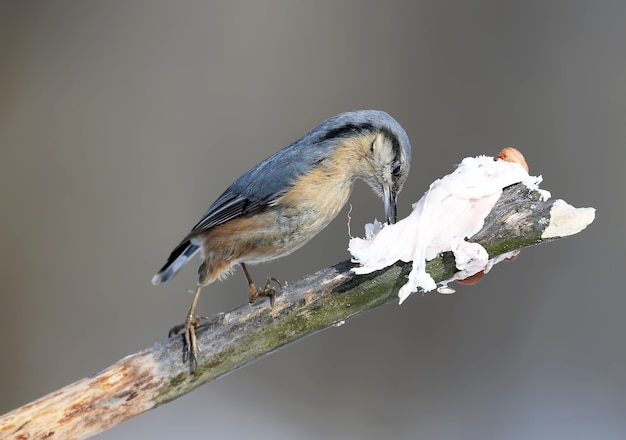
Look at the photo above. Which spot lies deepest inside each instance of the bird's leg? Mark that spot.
(190, 329)
(190, 325)
(255, 293)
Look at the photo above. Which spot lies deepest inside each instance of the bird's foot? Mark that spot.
(267, 291)
(191, 350)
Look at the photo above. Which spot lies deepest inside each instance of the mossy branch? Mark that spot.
(233, 339)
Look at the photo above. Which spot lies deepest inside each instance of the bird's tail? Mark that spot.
(178, 258)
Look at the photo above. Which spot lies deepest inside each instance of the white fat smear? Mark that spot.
(453, 209)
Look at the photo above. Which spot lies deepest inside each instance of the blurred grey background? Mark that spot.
(120, 122)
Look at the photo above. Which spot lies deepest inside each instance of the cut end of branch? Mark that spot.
(565, 220)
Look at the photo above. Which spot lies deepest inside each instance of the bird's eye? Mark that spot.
(396, 169)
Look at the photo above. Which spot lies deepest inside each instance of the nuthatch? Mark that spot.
(284, 201)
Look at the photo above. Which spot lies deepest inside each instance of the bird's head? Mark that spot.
(390, 157)
(376, 149)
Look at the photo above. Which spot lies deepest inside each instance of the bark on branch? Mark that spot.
(233, 339)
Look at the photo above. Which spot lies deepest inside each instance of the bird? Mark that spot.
(284, 201)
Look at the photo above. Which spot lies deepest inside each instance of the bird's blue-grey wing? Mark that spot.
(260, 185)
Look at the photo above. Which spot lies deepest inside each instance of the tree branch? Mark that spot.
(233, 339)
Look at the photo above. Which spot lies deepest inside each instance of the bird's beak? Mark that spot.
(391, 207)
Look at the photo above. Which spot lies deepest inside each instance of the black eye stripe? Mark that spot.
(348, 130)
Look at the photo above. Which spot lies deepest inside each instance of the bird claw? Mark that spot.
(191, 350)
(267, 291)
(175, 330)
